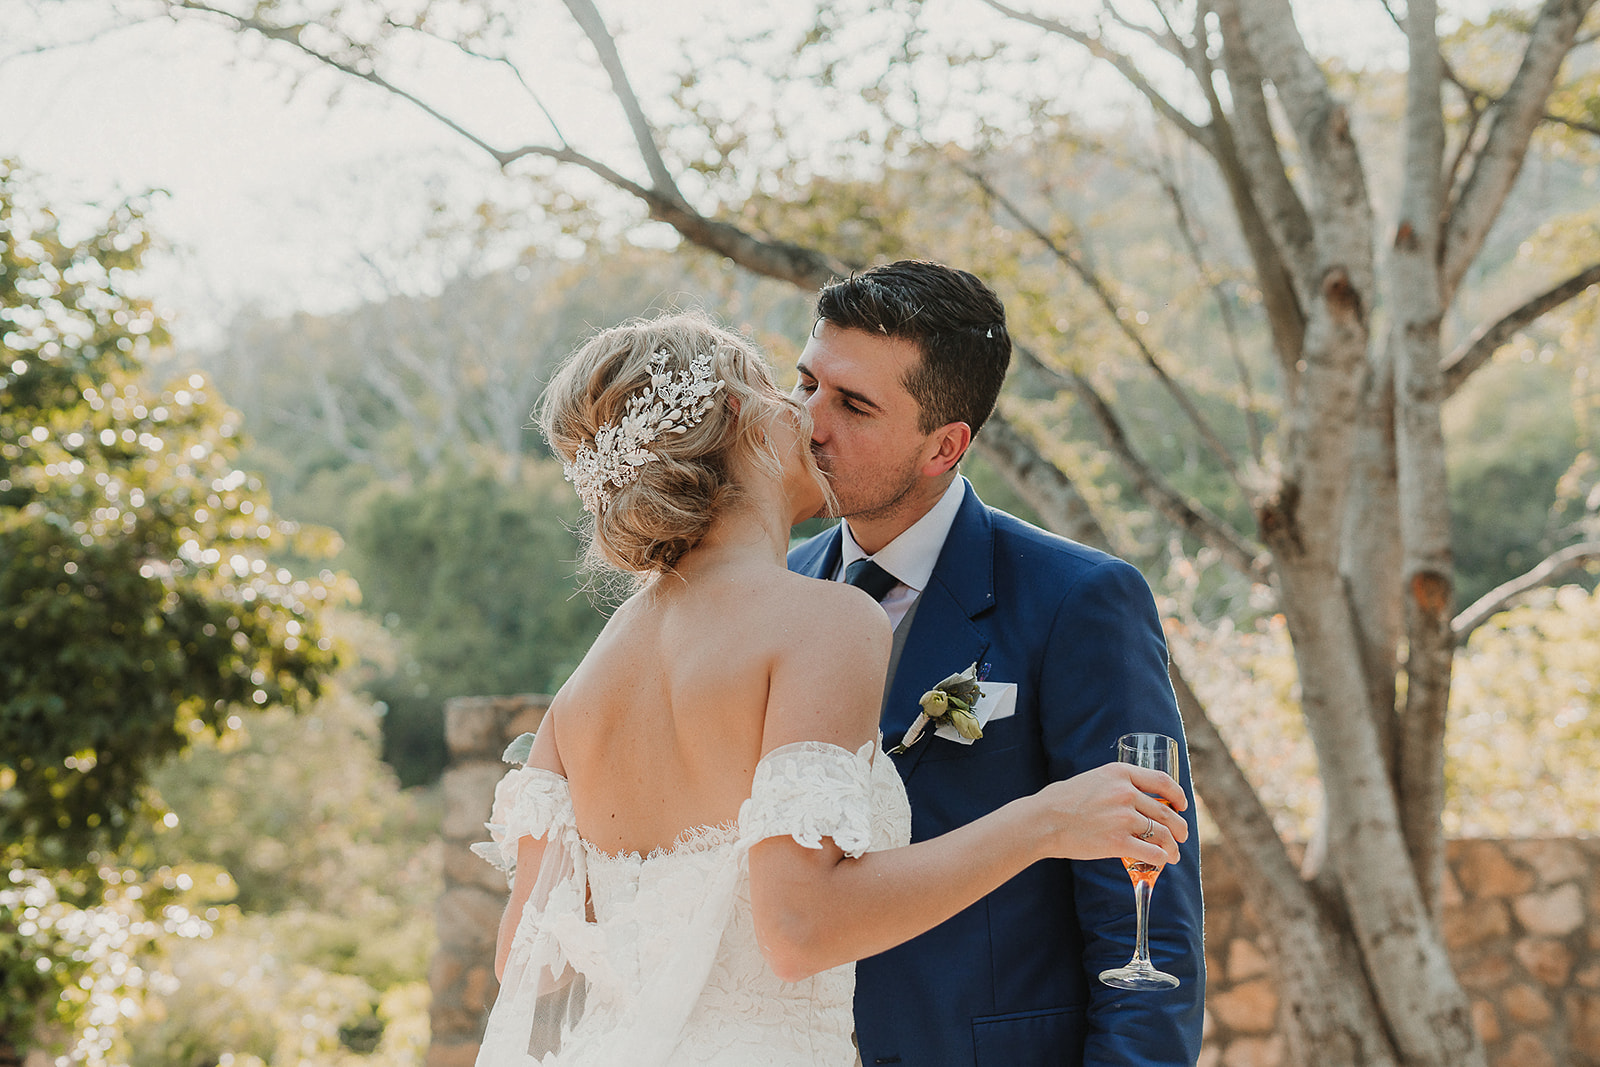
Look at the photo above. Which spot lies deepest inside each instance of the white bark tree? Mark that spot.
(1352, 522)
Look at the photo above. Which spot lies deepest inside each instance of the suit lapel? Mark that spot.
(944, 638)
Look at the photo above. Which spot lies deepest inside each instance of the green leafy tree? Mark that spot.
(138, 609)
(479, 577)
(331, 874)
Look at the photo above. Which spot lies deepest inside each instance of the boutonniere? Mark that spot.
(951, 701)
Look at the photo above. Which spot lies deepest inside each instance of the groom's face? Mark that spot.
(865, 426)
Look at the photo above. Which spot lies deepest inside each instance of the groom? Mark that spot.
(903, 366)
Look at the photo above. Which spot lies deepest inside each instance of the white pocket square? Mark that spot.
(999, 701)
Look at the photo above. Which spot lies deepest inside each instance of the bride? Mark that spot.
(705, 835)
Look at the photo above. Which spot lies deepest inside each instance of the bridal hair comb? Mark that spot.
(671, 403)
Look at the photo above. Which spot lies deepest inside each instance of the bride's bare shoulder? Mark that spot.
(826, 616)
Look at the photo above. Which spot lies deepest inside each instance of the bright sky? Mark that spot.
(276, 198)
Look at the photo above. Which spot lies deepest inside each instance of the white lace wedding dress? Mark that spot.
(662, 967)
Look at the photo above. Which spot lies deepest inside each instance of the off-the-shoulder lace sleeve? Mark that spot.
(811, 790)
(528, 802)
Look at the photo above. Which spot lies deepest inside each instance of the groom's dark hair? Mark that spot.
(957, 322)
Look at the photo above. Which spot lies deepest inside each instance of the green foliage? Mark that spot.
(1525, 722)
(303, 816)
(137, 607)
(1514, 432)
(66, 966)
(322, 955)
(480, 576)
(135, 598)
(1524, 719)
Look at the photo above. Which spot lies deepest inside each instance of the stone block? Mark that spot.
(1525, 1050)
(1555, 861)
(1250, 1008)
(468, 922)
(452, 1054)
(472, 727)
(1547, 960)
(444, 972)
(1583, 1026)
(1486, 1021)
(526, 720)
(1589, 977)
(1254, 1052)
(452, 1023)
(1557, 912)
(1246, 961)
(468, 798)
(1210, 1056)
(1526, 1005)
(479, 989)
(1484, 870)
(1450, 895)
(464, 867)
(1475, 922)
(1485, 974)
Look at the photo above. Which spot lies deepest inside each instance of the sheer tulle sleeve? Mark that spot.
(528, 802)
(544, 988)
(811, 790)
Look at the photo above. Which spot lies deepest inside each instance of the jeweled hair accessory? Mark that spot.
(671, 403)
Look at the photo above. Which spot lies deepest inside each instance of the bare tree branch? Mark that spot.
(1191, 517)
(1340, 206)
(1277, 232)
(292, 36)
(1548, 572)
(1124, 65)
(1264, 176)
(516, 72)
(1487, 339)
(1169, 42)
(88, 37)
(1427, 565)
(777, 259)
(1108, 300)
(1224, 305)
(594, 27)
(1041, 483)
(1234, 803)
(1519, 113)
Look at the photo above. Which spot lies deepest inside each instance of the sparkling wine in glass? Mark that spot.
(1158, 752)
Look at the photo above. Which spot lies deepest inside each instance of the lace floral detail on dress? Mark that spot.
(811, 790)
(528, 802)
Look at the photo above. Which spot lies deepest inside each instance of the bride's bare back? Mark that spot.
(660, 728)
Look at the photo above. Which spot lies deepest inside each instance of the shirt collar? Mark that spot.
(911, 556)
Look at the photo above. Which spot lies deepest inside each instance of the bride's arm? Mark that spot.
(817, 908)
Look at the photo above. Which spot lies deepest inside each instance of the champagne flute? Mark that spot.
(1158, 752)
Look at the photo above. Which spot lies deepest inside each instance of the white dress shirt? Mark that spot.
(911, 556)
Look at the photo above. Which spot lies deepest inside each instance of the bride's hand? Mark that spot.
(1101, 814)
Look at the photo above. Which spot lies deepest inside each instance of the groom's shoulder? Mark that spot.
(1017, 536)
(812, 549)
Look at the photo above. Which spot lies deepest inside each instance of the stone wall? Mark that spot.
(1521, 920)
(1522, 923)
(477, 730)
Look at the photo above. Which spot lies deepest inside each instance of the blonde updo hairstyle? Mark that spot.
(647, 526)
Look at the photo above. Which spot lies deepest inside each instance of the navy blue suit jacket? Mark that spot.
(1012, 980)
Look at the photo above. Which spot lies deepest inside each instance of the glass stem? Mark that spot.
(1141, 918)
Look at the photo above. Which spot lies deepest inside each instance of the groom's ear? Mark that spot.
(949, 443)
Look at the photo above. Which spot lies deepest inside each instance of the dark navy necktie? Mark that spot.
(865, 574)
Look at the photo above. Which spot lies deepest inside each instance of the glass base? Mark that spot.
(1136, 977)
